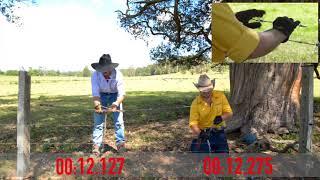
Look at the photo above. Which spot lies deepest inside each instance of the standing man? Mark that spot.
(208, 114)
(107, 91)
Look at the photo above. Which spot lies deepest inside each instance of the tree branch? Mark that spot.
(177, 21)
(141, 11)
(157, 33)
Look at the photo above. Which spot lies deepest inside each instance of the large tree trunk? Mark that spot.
(264, 97)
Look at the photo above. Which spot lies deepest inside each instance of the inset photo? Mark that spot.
(265, 32)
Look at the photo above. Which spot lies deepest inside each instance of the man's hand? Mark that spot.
(217, 120)
(98, 109)
(246, 16)
(203, 136)
(285, 25)
(114, 106)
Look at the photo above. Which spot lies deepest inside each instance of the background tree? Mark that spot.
(264, 97)
(8, 8)
(86, 72)
(184, 25)
(12, 73)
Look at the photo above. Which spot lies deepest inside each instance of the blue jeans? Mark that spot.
(106, 100)
(218, 143)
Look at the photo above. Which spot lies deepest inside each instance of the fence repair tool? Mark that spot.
(104, 131)
(109, 109)
(295, 41)
(106, 110)
(262, 20)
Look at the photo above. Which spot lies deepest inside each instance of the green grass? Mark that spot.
(306, 13)
(71, 97)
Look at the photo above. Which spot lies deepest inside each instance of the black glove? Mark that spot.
(246, 16)
(203, 136)
(285, 25)
(217, 120)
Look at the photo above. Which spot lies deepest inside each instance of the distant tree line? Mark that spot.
(168, 68)
(45, 72)
(150, 70)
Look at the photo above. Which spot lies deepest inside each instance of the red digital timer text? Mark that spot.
(236, 166)
(109, 166)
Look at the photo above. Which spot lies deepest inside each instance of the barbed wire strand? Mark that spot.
(91, 110)
(262, 20)
(295, 41)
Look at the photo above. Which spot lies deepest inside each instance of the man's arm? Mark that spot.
(96, 101)
(95, 93)
(121, 92)
(280, 33)
(269, 40)
(119, 100)
(195, 130)
(226, 109)
(97, 104)
(226, 115)
(194, 118)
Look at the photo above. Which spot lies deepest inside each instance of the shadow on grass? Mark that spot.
(50, 133)
(50, 130)
(316, 105)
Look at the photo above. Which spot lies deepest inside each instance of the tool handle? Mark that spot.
(109, 110)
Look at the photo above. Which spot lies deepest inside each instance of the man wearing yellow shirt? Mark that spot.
(233, 35)
(208, 114)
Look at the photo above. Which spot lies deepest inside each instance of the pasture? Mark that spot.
(149, 99)
(155, 119)
(290, 52)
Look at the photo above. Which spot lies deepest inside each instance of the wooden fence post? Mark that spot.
(23, 135)
(306, 111)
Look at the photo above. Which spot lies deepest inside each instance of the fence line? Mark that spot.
(125, 110)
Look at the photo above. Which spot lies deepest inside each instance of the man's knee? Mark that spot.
(220, 142)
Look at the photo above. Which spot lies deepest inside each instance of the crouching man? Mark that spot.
(208, 114)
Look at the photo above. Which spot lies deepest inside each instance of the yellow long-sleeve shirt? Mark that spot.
(202, 114)
(230, 38)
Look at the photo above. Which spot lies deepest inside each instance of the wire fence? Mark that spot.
(92, 110)
(51, 106)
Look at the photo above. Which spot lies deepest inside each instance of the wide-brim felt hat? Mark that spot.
(104, 64)
(204, 83)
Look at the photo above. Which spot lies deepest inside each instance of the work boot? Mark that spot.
(121, 147)
(96, 150)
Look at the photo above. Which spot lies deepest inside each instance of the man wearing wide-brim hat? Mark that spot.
(107, 91)
(208, 114)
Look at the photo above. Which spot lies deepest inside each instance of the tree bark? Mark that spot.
(264, 97)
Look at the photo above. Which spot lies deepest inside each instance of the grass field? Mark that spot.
(72, 98)
(306, 13)
(146, 130)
